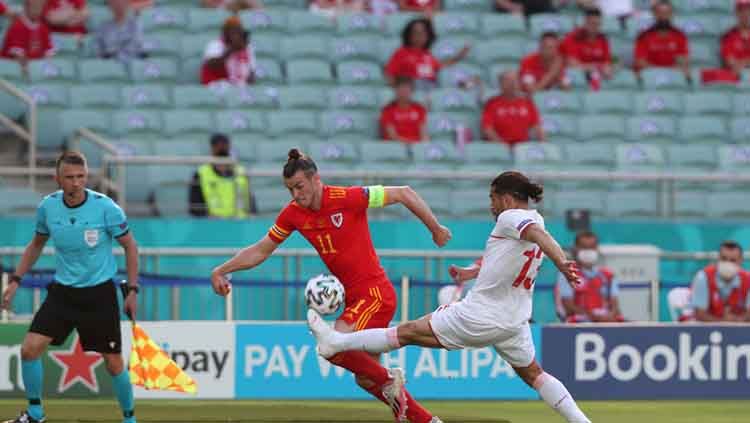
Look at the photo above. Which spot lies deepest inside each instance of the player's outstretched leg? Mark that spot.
(331, 342)
(121, 385)
(553, 392)
(31, 370)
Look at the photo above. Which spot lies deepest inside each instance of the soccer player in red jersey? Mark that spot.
(334, 221)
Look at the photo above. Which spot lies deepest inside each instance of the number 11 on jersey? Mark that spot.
(326, 244)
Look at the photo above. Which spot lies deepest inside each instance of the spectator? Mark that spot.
(233, 6)
(594, 300)
(662, 45)
(720, 290)
(735, 43)
(28, 37)
(66, 16)
(545, 69)
(333, 8)
(6, 11)
(122, 37)
(414, 59)
(427, 7)
(618, 8)
(221, 190)
(587, 47)
(512, 116)
(138, 5)
(524, 7)
(404, 119)
(231, 57)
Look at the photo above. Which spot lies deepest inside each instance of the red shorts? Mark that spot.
(370, 306)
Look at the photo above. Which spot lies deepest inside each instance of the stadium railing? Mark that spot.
(27, 134)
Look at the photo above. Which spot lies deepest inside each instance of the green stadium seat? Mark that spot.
(590, 156)
(445, 49)
(490, 52)
(471, 204)
(396, 22)
(701, 104)
(205, 19)
(334, 152)
(453, 100)
(436, 156)
(190, 71)
(704, 54)
(724, 205)
(698, 27)
(170, 174)
(193, 45)
(455, 76)
(734, 159)
(591, 200)
(101, 70)
(475, 6)
(739, 129)
(651, 129)
(387, 47)
(188, 123)
(741, 104)
(164, 45)
(164, 20)
(95, 96)
(178, 147)
(615, 102)
(196, 97)
(495, 155)
(305, 47)
(272, 156)
(134, 147)
(289, 123)
(623, 79)
(270, 200)
(690, 159)
(690, 204)
(354, 48)
(52, 70)
(49, 95)
(98, 14)
(633, 204)
(358, 23)
(640, 157)
(437, 197)
(352, 97)
(265, 21)
(153, 70)
(451, 24)
(138, 123)
(658, 103)
(268, 72)
(302, 97)
(558, 102)
(172, 200)
(11, 71)
(252, 98)
(443, 126)
(703, 129)
(664, 79)
(66, 46)
(536, 156)
(95, 120)
(266, 46)
(304, 23)
(376, 153)
(557, 125)
(545, 22)
(359, 73)
(495, 25)
(309, 71)
(19, 201)
(244, 148)
(705, 6)
(347, 124)
(145, 97)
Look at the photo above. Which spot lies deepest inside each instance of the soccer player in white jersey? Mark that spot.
(497, 310)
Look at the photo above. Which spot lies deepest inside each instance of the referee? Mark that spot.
(82, 224)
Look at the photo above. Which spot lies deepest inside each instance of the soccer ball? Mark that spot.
(324, 294)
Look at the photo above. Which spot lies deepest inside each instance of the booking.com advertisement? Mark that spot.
(280, 361)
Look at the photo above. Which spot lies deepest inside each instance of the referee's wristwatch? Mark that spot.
(131, 288)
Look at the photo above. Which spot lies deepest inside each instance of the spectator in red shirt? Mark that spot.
(588, 48)
(230, 58)
(6, 11)
(28, 37)
(422, 6)
(545, 69)
(735, 43)
(512, 116)
(414, 59)
(333, 8)
(662, 45)
(66, 16)
(404, 119)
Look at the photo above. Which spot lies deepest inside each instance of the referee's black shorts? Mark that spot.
(92, 311)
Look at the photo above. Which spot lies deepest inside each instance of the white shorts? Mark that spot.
(456, 329)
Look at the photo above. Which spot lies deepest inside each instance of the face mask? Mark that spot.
(727, 270)
(588, 256)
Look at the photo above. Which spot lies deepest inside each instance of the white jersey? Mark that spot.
(505, 285)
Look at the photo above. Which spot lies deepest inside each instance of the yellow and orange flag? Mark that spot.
(151, 367)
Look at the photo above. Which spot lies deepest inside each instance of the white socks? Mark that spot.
(370, 340)
(553, 392)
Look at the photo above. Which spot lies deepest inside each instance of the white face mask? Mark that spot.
(587, 257)
(727, 269)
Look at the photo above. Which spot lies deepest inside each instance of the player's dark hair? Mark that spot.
(549, 34)
(70, 157)
(406, 33)
(297, 161)
(517, 185)
(585, 234)
(593, 11)
(731, 245)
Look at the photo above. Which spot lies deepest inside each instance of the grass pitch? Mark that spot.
(103, 410)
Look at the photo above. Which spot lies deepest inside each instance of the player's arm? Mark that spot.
(699, 299)
(462, 274)
(411, 200)
(30, 255)
(550, 248)
(245, 259)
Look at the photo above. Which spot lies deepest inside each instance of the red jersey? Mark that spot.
(659, 48)
(420, 4)
(735, 45)
(533, 70)
(339, 232)
(25, 38)
(577, 44)
(737, 298)
(408, 121)
(51, 5)
(414, 63)
(510, 118)
(3, 8)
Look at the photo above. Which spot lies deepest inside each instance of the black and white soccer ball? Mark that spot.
(324, 294)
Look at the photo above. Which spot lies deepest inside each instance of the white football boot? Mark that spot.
(322, 332)
(395, 394)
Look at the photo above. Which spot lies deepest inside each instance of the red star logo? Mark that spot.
(78, 366)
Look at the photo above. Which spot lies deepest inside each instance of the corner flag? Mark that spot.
(151, 367)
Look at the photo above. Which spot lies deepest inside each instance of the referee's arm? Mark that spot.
(29, 257)
(128, 243)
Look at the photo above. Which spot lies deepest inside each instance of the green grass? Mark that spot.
(69, 411)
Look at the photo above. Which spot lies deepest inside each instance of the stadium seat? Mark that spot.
(704, 54)
(633, 204)
(725, 205)
(334, 152)
(188, 123)
(558, 102)
(170, 174)
(95, 96)
(640, 157)
(11, 71)
(139, 123)
(272, 156)
(98, 14)
(474, 6)
(386, 48)
(457, 75)
(304, 23)
(658, 103)
(705, 6)
(192, 46)
(377, 153)
(52, 70)
(451, 24)
(591, 200)
(697, 28)
(610, 101)
(305, 47)
(354, 48)
(145, 97)
(172, 200)
(741, 104)
(491, 154)
(701, 104)
(546, 22)
(268, 72)
(205, 19)
(95, 120)
(164, 20)
(443, 126)
(66, 46)
(453, 100)
(556, 125)
(623, 79)
(664, 79)
(445, 49)
(352, 97)
(266, 46)
(309, 71)
(703, 129)
(590, 156)
(164, 45)
(490, 52)
(692, 157)
(270, 200)
(359, 73)
(153, 70)
(690, 204)
(734, 159)
(496, 26)
(101, 70)
(180, 147)
(651, 129)
(49, 95)
(285, 123)
(196, 97)
(265, 21)
(18, 201)
(536, 156)
(301, 97)
(358, 23)
(396, 22)
(470, 204)
(436, 156)
(252, 97)
(739, 129)
(348, 124)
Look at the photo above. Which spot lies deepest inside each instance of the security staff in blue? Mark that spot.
(83, 225)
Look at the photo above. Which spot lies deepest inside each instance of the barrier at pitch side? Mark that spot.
(650, 362)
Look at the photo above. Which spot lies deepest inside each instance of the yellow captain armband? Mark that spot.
(377, 196)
